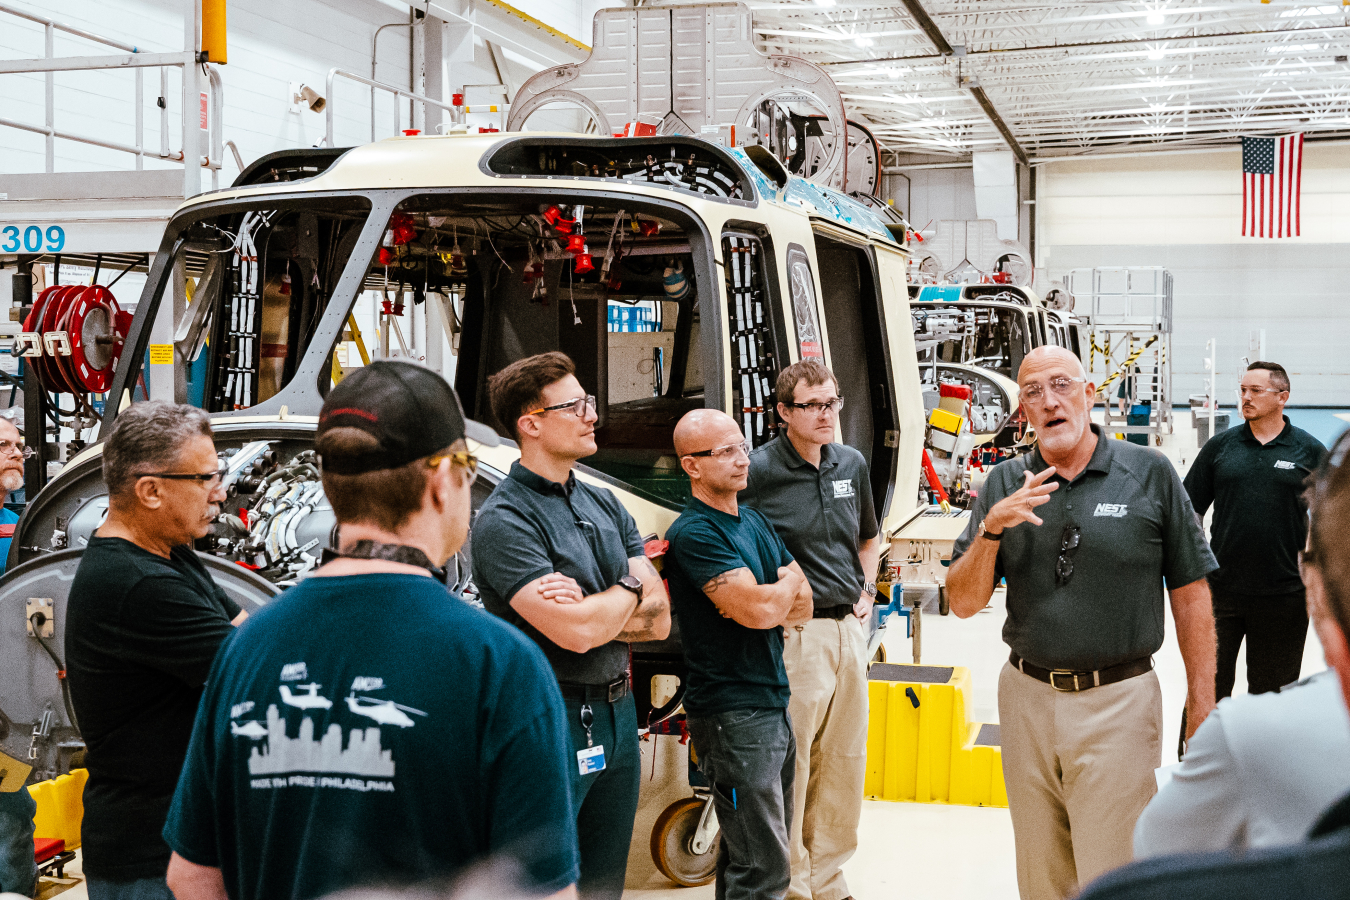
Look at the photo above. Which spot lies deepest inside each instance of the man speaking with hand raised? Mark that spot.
(1086, 530)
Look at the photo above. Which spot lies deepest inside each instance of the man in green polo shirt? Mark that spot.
(562, 560)
(818, 496)
(1086, 530)
(735, 588)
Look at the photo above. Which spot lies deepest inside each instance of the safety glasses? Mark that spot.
(577, 406)
(1068, 546)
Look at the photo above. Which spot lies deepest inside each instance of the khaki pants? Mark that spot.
(1079, 770)
(826, 661)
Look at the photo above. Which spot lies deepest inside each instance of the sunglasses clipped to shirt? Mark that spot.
(1068, 546)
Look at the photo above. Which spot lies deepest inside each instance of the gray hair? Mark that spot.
(149, 436)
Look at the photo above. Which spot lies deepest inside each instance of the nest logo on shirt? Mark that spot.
(1283, 464)
(843, 488)
(1114, 510)
(277, 759)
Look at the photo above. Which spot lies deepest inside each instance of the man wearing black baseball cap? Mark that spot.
(368, 726)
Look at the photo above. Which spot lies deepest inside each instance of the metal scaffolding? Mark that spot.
(1130, 327)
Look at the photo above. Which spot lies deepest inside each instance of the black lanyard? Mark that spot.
(399, 553)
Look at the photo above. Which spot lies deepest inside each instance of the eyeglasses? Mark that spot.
(578, 406)
(1244, 391)
(210, 479)
(1068, 546)
(9, 447)
(462, 458)
(817, 408)
(1034, 392)
(724, 452)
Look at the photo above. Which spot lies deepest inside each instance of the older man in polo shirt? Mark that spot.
(818, 496)
(1086, 530)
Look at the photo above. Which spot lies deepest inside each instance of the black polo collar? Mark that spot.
(787, 452)
(1101, 457)
(541, 485)
(1282, 437)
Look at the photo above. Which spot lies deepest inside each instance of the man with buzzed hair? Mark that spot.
(1086, 530)
(1253, 476)
(734, 587)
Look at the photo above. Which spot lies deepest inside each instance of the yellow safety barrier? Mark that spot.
(60, 807)
(921, 746)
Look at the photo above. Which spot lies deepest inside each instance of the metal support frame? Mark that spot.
(134, 59)
(334, 74)
(934, 33)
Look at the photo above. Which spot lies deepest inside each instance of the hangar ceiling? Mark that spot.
(1074, 78)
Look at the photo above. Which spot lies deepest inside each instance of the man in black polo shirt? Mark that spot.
(1086, 530)
(735, 588)
(1253, 475)
(818, 496)
(563, 561)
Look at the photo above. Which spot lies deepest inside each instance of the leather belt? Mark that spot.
(610, 693)
(1071, 681)
(832, 612)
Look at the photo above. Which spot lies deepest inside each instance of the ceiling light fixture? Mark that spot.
(1155, 53)
(1155, 17)
(863, 40)
(825, 3)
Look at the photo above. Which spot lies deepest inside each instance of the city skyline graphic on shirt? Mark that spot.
(363, 754)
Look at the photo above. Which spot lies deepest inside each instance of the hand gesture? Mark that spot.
(803, 604)
(1020, 506)
(863, 608)
(560, 588)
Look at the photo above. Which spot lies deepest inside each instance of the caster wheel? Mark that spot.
(671, 835)
(880, 655)
(943, 606)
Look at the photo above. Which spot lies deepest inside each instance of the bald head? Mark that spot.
(1049, 357)
(703, 429)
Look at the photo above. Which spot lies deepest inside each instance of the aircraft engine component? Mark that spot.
(955, 244)
(36, 724)
(968, 410)
(694, 69)
(283, 527)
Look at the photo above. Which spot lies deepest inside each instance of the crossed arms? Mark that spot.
(555, 604)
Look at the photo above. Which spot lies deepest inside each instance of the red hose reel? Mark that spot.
(73, 337)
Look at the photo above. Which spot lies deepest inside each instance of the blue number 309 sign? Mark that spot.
(29, 239)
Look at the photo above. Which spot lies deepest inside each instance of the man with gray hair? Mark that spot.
(143, 626)
(18, 872)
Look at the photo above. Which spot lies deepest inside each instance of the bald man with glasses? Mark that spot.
(1087, 531)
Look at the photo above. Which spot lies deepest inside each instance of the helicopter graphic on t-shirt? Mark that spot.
(306, 697)
(386, 712)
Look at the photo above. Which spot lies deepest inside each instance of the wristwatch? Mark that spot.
(988, 535)
(630, 582)
(870, 589)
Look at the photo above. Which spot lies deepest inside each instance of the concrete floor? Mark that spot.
(918, 850)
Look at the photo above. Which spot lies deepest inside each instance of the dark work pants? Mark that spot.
(1275, 628)
(18, 872)
(606, 801)
(749, 756)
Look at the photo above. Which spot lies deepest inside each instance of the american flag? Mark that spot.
(1272, 178)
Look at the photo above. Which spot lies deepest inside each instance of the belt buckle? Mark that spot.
(615, 691)
(1065, 673)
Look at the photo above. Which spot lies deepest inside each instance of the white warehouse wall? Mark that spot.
(1183, 212)
(271, 46)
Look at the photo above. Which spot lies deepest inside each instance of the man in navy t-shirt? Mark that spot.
(734, 586)
(368, 726)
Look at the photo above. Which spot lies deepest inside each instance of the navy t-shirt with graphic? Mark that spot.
(374, 729)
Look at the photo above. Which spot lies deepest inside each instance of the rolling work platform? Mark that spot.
(1130, 322)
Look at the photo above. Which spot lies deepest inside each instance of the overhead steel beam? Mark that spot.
(930, 28)
(1081, 45)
